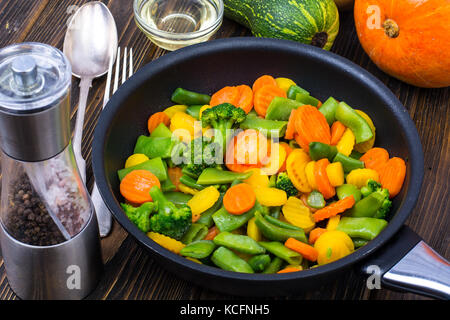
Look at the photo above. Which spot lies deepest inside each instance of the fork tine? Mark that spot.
(131, 63)
(124, 70)
(108, 80)
(116, 75)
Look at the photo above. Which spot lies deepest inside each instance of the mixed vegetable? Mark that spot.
(261, 179)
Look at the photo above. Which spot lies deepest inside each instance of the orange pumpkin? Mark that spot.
(407, 39)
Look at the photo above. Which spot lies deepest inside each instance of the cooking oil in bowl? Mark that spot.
(172, 24)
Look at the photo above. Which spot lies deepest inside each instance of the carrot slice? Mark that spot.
(308, 252)
(224, 95)
(288, 150)
(290, 269)
(262, 81)
(174, 176)
(337, 131)
(212, 233)
(322, 181)
(375, 158)
(393, 175)
(156, 119)
(237, 167)
(311, 125)
(239, 199)
(334, 208)
(264, 96)
(245, 100)
(136, 185)
(315, 234)
(302, 143)
(290, 130)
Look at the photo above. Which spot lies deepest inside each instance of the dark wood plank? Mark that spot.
(130, 272)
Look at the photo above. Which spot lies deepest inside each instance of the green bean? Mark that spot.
(189, 98)
(217, 176)
(275, 212)
(351, 119)
(199, 249)
(358, 243)
(196, 231)
(190, 182)
(155, 147)
(238, 242)
(167, 186)
(346, 190)
(259, 262)
(281, 224)
(206, 217)
(348, 164)
(319, 150)
(306, 99)
(155, 166)
(279, 250)
(328, 109)
(178, 198)
(229, 222)
(194, 111)
(280, 108)
(364, 228)
(270, 128)
(274, 266)
(368, 206)
(276, 233)
(228, 260)
(294, 90)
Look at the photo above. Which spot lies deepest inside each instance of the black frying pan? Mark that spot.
(210, 66)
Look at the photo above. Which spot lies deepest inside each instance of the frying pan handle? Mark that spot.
(407, 263)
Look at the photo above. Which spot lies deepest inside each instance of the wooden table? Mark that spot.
(129, 271)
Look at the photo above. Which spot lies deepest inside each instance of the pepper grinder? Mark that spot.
(48, 229)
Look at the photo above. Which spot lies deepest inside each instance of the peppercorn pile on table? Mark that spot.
(29, 21)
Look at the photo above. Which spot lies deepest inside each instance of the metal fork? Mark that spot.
(102, 211)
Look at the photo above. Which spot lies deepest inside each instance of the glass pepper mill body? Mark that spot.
(48, 228)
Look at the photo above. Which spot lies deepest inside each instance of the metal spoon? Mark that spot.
(90, 41)
(91, 46)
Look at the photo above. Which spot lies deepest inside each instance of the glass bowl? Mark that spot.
(173, 24)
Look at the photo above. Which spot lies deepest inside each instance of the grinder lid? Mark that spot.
(32, 77)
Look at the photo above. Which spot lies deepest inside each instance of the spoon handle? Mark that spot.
(85, 84)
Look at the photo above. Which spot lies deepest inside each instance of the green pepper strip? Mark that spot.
(259, 263)
(155, 147)
(294, 90)
(228, 260)
(328, 109)
(178, 198)
(319, 150)
(346, 190)
(280, 108)
(238, 242)
(270, 128)
(368, 206)
(351, 119)
(189, 98)
(161, 131)
(274, 266)
(195, 232)
(306, 99)
(155, 166)
(358, 243)
(273, 232)
(280, 223)
(190, 182)
(279, 250)
(217, 176)
(364, 228)
(199, 249)
(194, 111)
(348, 164)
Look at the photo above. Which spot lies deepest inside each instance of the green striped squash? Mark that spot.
(314, 22)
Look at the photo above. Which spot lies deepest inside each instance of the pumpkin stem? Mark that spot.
(320, 39)
(391, 28)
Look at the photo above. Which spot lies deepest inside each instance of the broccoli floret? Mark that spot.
(140, 216)
(169, 220)
(284, 183)
(221, 118)
(201, 155)
(373, 186)
(370, 187)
